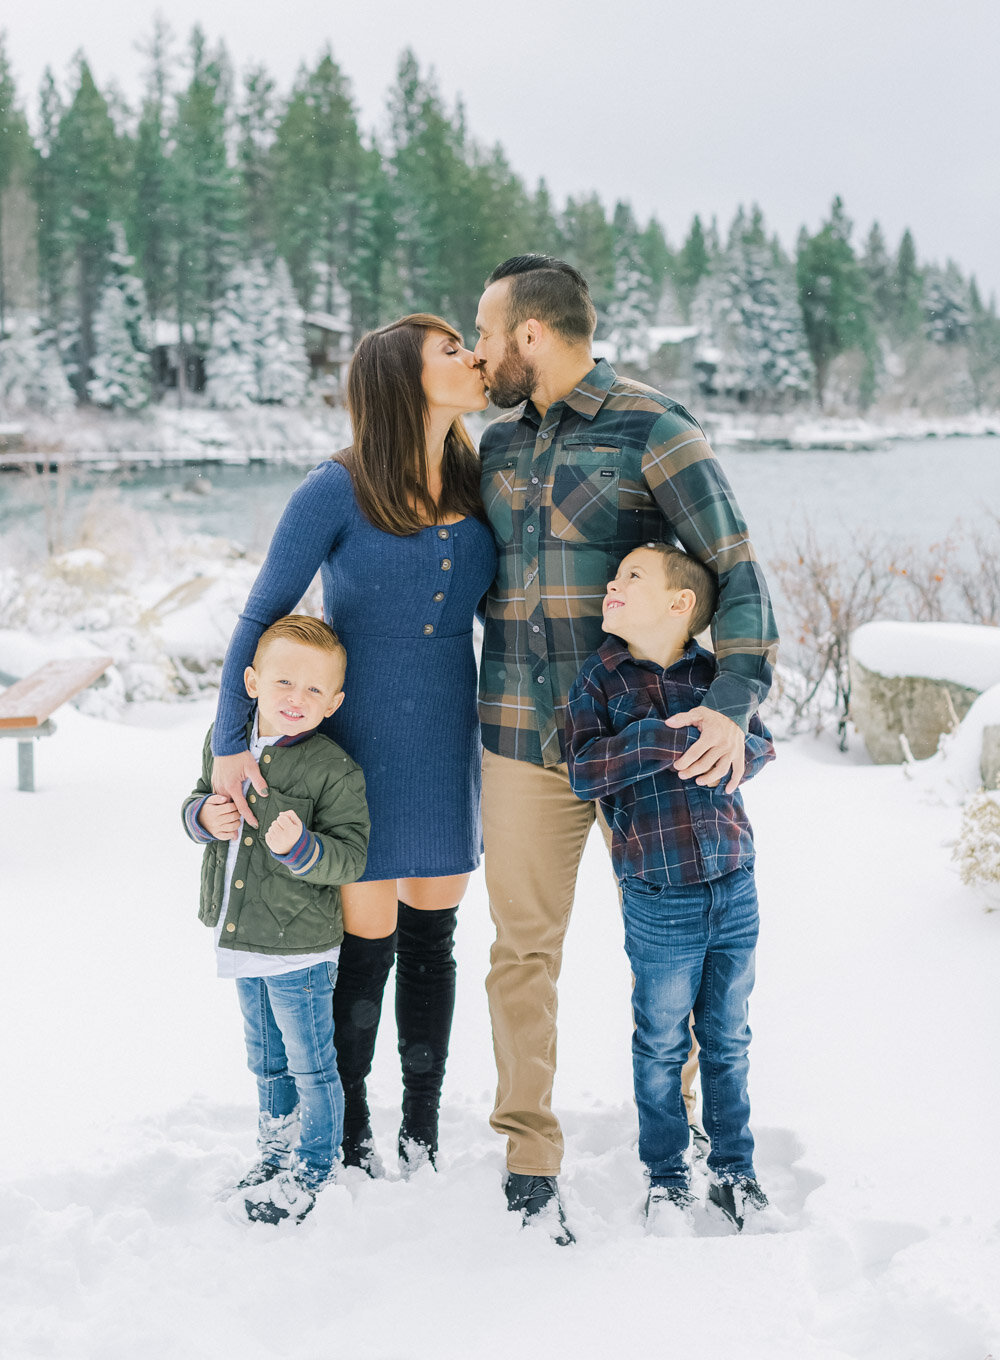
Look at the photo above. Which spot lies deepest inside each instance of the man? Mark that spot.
(585, 467)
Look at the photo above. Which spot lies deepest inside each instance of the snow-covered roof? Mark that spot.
(326, 321)
(671, 335)
(964, 653)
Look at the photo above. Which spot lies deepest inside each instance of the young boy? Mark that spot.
(683, 854)
(273, 897)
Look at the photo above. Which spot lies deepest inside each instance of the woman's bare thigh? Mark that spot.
(370, 908)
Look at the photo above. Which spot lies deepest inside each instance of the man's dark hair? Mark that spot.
(684, 572)
(549, 290)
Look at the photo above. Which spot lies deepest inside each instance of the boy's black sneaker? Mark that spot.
(283, 1198)
(739, 1200)
(536, 1199)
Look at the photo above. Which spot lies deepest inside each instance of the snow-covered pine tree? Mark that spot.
(630, 310)
(947, 305)
(31, 376)
(282, 364)
(120, 364)
(257, 352)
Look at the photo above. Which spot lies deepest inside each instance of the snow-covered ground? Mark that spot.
(874, 1087)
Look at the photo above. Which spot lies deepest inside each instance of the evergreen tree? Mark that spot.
(984, 349)
(325, 188)
(282, 365)
(693, 262)
(541, 227)
(31, 375)
(908, 290)
(15, 174)
(589, 244)
(257, 119)
(658, 262)
(120, 365)
(51, 237)
(204, 194)
(150, 213)
(89, 183)
(833, 294)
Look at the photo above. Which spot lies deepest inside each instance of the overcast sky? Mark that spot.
(894, 104)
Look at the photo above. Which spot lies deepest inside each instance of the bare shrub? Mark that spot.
(827, 592)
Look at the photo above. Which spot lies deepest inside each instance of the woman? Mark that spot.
(396, 528)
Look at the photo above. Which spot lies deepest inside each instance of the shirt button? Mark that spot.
(231, 928)
(534, 481)
(446, 564)
(443, 533)
(248, 840)
(238, 883)
(534, 627)
(438, 596)
(428, 628)
(541, 679)
(267, 760)
(531, 528)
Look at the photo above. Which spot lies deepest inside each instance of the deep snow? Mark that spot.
(874, 1088)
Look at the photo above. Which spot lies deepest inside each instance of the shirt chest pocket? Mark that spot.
(585, 492)
(498, 491)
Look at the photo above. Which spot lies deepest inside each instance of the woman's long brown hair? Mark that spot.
(388, 459)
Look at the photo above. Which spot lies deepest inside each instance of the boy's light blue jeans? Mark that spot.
(692, 950)
(288, 1021)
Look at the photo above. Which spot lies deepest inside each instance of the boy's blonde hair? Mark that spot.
(684, 572)
(307, 632)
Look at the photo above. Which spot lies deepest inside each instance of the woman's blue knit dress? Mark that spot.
(403, 608)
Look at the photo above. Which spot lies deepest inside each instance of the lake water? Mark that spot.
(915, 492)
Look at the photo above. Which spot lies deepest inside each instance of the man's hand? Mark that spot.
(228, 774)
(720, 748)
(283, 832)
(220, 818)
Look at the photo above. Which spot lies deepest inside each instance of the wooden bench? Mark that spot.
(25, 707)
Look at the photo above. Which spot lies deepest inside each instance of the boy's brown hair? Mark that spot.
(684, 572)
(308, 632)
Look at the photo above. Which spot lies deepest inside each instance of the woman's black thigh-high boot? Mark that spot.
(425, 1004)
(357, 1006)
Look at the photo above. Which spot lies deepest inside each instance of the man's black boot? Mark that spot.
(357, 1008)
(425, 1004)
(536, 1199)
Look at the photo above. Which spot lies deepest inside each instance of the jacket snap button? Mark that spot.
(238, 883)
(248, 840)
(253, 798)
(231, 928)
(267, 760)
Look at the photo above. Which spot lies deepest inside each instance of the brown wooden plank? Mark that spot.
(31, 700)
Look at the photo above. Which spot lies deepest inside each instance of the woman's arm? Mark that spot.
(308, 529)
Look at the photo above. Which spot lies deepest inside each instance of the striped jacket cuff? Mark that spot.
(194, 828)
(304, 855)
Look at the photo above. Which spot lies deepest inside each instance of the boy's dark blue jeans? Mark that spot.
(692, 950)
(288, 1021)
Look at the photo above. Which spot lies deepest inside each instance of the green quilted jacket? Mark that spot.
(271, 910)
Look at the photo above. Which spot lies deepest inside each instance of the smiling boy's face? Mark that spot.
(638, 602)
(295, 686)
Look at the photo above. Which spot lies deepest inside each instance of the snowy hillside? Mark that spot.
(874, 1094)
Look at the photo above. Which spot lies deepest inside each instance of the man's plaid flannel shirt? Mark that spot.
(613, 465)
(619, 750)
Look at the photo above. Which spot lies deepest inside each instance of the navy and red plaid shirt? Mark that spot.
(620, 752)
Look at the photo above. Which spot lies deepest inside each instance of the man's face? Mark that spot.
(510, 378)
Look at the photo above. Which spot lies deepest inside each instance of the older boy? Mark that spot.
(683, 854)
(273, 896)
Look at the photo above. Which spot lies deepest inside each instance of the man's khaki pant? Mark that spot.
(534, 831)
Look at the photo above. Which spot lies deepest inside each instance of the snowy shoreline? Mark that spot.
(300, 435)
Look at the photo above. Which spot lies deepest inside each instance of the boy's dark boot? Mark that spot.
(425, 1004)
(357, 1007)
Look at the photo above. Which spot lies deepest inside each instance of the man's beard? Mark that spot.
(514, 380)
